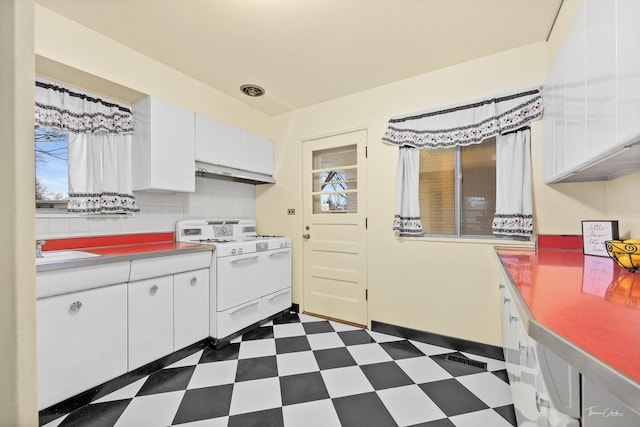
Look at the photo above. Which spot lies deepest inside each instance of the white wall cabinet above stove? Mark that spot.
(219, 143)
(82, 341)
(592, 96)
(163, 148)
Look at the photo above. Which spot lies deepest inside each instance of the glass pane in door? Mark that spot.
(335, 180)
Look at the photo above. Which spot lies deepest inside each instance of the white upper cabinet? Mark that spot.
(592, 96)
(600, 75)
(575, 92)
(163, 148)
(628, 69)
(257, 153)
(219, 143)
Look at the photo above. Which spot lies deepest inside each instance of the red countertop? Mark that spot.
(118, 248)
(589, 301)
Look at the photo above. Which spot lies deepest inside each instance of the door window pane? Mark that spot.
(335, 180)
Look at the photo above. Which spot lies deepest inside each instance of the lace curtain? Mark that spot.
(99, 142)
(467, 124)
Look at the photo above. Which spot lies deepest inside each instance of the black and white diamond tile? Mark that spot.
(300, 370)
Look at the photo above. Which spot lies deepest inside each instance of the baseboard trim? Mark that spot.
(477, 348)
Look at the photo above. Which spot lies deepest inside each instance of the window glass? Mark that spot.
(478, 188)
(52, 171)
(437, 190)
(464, 189)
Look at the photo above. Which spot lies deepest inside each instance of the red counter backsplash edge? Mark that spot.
(99, 241)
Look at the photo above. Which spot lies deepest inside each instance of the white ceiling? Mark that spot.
(308, 51)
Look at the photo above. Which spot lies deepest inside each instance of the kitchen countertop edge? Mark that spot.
(624, 388)
(107, 259)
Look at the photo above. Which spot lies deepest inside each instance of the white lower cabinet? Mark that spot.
(545, 389)
(190, 307)
(82, 341)
(150, 320)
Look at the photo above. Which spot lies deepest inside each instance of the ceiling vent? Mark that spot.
(252, 90)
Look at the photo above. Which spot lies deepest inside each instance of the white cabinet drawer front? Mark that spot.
(236, 318)
(275, 303)
(150, 320)
(276, 267)
(162, 266)
(82, 341)
(239, 280)
(57, 282)
(190, 307)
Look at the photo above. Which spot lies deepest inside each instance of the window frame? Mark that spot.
(458, 174)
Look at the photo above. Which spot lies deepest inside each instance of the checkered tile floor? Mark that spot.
(305, 371)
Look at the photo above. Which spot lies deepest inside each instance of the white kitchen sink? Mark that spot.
(58, 256)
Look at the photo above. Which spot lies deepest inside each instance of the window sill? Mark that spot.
(64, 214)
(469, 240)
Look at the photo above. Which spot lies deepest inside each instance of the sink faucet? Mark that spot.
(39, 245)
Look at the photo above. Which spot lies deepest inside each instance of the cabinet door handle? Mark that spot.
(76, 306)
(237, 261)
(501, 286)
(194, 280)
(506, 300)
(243, 307)
(278, 253)
(271, 297)
(153, 290)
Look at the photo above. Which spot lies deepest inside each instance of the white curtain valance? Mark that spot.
(67, 108)
(465, 124)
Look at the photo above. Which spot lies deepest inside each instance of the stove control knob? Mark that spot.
(282, 245)
(233, 251)
(240, 250)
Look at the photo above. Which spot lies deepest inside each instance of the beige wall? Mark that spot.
(443, 286)
(65, 41)
(17, 270)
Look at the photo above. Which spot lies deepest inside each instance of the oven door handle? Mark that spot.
(237, 261)
(279, 253)
(242, 307)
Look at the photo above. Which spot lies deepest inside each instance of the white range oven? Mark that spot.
(250, 274)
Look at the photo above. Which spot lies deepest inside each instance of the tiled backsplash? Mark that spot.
(213, 198)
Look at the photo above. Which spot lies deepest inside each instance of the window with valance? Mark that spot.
(99, 146)
(505, 118)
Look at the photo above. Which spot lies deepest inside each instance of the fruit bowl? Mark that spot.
(626, 254)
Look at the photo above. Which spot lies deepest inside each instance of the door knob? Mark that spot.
(306, 236)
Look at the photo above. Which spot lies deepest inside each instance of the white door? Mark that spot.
(334, 228)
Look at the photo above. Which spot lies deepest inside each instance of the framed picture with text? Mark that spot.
(595, 233)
